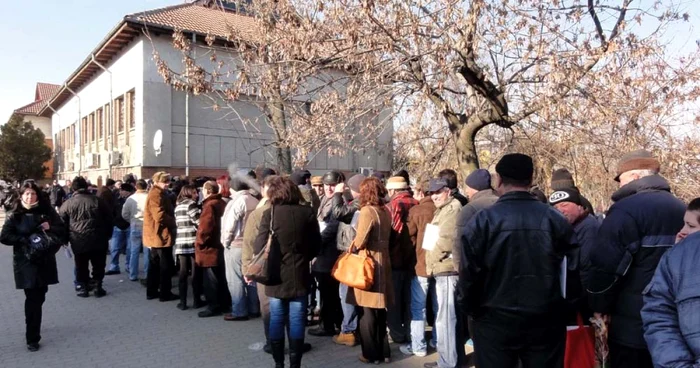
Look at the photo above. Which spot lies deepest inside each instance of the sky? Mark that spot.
(46, 40)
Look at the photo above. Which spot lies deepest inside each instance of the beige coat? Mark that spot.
(373, 232)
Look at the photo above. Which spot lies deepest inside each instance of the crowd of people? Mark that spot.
(502, 266)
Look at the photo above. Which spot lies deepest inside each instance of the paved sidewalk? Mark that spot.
(123, 329)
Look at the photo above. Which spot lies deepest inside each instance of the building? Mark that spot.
(106, 115)
(31, 113)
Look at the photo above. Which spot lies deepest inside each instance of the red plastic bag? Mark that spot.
(580, 348)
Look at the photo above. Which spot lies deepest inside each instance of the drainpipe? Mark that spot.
(187, 120)
(80, 133)
(54, 144)
(111, 116)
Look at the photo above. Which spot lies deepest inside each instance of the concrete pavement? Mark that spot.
(123, 329)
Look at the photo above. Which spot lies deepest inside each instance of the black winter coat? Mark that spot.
(639, 228)
(56, 195)
(296, 242)
(19, 225)
(511, 260)
(89, 222)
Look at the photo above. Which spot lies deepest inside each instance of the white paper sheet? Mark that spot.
(430, 238)
(322, 225)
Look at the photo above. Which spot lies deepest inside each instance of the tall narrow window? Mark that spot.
(100, 123)
(108, 120)
(121, 113)
(132, 108)
(91, 121)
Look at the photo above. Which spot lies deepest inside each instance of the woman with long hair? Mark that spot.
(295, 241)
(224, 182)
(187, 215)
(36, 232)
(373, 232)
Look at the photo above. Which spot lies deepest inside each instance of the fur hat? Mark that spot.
(316, 180)
(637, 160)
(397, 183)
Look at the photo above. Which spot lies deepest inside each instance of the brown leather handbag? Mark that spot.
(355, 269)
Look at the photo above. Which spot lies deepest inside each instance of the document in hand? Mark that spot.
(432, 233)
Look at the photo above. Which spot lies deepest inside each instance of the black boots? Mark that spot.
(82, 290)
(296, 350)
(278, 352)
(99, 291)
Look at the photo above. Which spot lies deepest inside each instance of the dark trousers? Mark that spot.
(32, 312)
(626, 357)
(186, 263)
(215, 289)
(373, 333)
(158, 278)
(331, 311)
(502, 342)
(96, 258)
(399, 313)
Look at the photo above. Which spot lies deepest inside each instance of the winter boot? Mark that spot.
(99, 291)
(278, 352)
(82, 290)
(296, 350)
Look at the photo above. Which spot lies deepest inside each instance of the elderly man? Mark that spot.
(159, 230)
(439, 241)
(403, 258)
(509, 278)
(640, 227)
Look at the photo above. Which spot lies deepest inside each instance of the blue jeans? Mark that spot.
(349, 324)
(135, 245)
(421, 287)
(244, 297)
(449, 348)
(119, 244)
(293, 309)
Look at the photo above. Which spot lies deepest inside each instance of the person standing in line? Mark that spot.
(422, 285)
(402, 259)
(317, 186)
(373, 233)
(344, 212)
(89, 221)
(120, 235)
(297, 239)
(33, 275)
(56, 195)
(133, 213)
(509, 279)
(672, 299)
(439, 264)
(450, 177)
(640, 227)
(209, 253)
(331, 310)
(187, 215)
(159, 231)
(244, 295)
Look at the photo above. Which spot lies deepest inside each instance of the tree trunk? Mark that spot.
(467, 156)
(279, 125)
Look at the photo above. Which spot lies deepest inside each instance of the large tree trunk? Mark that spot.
(279, 125)
(467, 156)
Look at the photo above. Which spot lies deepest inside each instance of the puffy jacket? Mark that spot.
(18, 226)
(159, 226)
(438, 261)
(208, 249)
(89, 222)
(511, 259)
(328, 252)
(233, 223)
(134, 207)
(671, 311)
(640, 227)
(295, 242)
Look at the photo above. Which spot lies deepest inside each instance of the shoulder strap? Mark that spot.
(272, 218)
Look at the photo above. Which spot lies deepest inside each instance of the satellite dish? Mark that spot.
(158, 141)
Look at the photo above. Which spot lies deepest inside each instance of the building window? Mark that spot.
(91, 120)
(83, 131)
(100, 123)
(121, 113)
(131, 95)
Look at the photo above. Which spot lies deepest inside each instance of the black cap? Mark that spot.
(332, 178)
(267, 172)
(516, 166)
(299, 177)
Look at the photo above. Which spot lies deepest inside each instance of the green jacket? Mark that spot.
(439, 260)
(252, 227)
